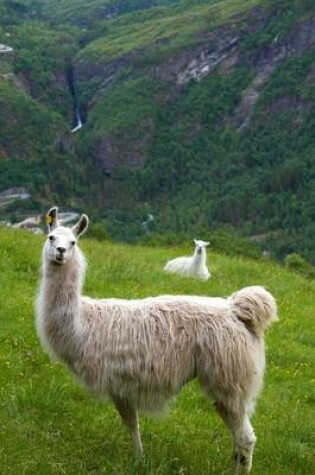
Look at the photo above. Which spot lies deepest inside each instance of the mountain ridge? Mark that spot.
(200, 114)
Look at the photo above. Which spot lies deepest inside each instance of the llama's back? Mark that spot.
(179, 265)
(188, 267)
(145, 350)
(144, 353)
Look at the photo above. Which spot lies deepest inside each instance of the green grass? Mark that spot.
(51, 425)
(176, 27)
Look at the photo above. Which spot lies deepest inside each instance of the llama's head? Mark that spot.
(200, 245)
(61, 241)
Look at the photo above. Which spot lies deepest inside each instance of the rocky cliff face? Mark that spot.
(265, 61)
(219, 51)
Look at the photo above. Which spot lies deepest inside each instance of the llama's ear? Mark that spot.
(51, 219)
(207, 243)
(81, 225)
(195, 241)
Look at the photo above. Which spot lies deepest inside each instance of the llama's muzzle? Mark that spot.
(60, 253)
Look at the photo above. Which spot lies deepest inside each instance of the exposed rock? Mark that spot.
(218, 50)
(301, 39)
(204, 63)
(5, 48)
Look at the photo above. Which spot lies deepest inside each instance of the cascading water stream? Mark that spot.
(78, 124)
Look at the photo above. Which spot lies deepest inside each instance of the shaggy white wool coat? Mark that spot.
(192, 266)
(141, 352)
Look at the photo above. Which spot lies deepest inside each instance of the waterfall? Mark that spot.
(77, 122)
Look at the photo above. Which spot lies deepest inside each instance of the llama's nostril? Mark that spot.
(61, 249)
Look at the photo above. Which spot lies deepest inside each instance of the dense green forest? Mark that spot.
(200, 113)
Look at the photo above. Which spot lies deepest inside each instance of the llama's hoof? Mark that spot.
(243, 464)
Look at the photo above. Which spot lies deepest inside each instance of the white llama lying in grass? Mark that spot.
(140, 353)
(193, 266)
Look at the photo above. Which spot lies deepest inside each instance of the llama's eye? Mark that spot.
(72, 243)
(51, 238)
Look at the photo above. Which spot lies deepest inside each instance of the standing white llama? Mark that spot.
(140, 353)
(192, 266)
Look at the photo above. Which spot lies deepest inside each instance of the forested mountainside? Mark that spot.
(198, 113)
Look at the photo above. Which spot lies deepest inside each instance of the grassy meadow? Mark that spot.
(51, 425)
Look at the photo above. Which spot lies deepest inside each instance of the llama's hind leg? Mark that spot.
(237, 419)
(244, 442)
(130, 417)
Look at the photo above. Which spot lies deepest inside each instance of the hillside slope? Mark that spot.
(51, 425)
(200, 113)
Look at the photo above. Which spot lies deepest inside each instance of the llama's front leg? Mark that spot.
(130, 417)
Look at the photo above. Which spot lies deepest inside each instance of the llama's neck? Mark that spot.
(199, 259)
(59, 309)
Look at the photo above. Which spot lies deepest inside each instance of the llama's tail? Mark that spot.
(255, 307)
